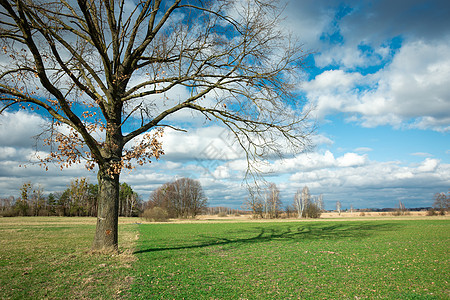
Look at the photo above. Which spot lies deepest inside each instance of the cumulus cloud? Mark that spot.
(428, 165)
(410, 92)
(204, 143)
(17, 128)
(384, 63)
(351, 160)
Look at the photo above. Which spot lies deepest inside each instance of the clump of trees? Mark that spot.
(441, 204)
(400, 210)
(182, 198)
(80, 198)
(308, 206)
(267, 203)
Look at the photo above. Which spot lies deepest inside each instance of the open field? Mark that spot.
(336, 258)
(387, 259)
(48, 258)
(328, 216)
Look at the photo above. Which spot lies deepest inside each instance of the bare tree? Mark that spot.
(255, 204)
(298, 205)
(22, 204)
(181, 198)
(37, 201)
(301, 200)
(338, 207)
(308, 206)
(289, 210)
(78, 197)
(320, 204)
(273, 201)
(400, 210)
(128, 201)
(441, 202)
(102, 72)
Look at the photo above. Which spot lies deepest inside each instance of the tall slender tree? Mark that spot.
(273, 201)
(102, 71)
(338, 207)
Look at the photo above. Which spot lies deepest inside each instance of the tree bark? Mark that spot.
(106, 235)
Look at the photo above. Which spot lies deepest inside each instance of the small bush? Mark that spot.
(362, 214)
(155, 214)
(397, 213)
(222, 214)
(431, 212)
(312, 211)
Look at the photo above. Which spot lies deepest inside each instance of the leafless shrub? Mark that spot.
(431, 212)
(155, 214)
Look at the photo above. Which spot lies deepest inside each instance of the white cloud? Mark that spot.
(424, 154)
(349, 57)
(211, 143)
(221, 172)
(351, 160)
(321, 139)
(363, 149)
(412, 91)
(17, 128)
(428, 165)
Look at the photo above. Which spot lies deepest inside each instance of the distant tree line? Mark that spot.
(78, 199)
(223, 210)
(266, 203)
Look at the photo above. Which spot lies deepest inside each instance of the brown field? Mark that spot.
(331, 216)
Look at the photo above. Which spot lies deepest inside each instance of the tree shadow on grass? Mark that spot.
(291, 232)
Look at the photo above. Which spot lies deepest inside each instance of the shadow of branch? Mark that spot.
(296, 231)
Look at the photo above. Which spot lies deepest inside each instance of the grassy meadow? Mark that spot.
(48, 258)
(294, 260)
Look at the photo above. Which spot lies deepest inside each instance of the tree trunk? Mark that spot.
(106, 235)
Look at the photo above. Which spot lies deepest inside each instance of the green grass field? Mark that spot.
(296, 260)
(48, 258)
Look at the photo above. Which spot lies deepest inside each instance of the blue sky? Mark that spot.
(380, 80)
